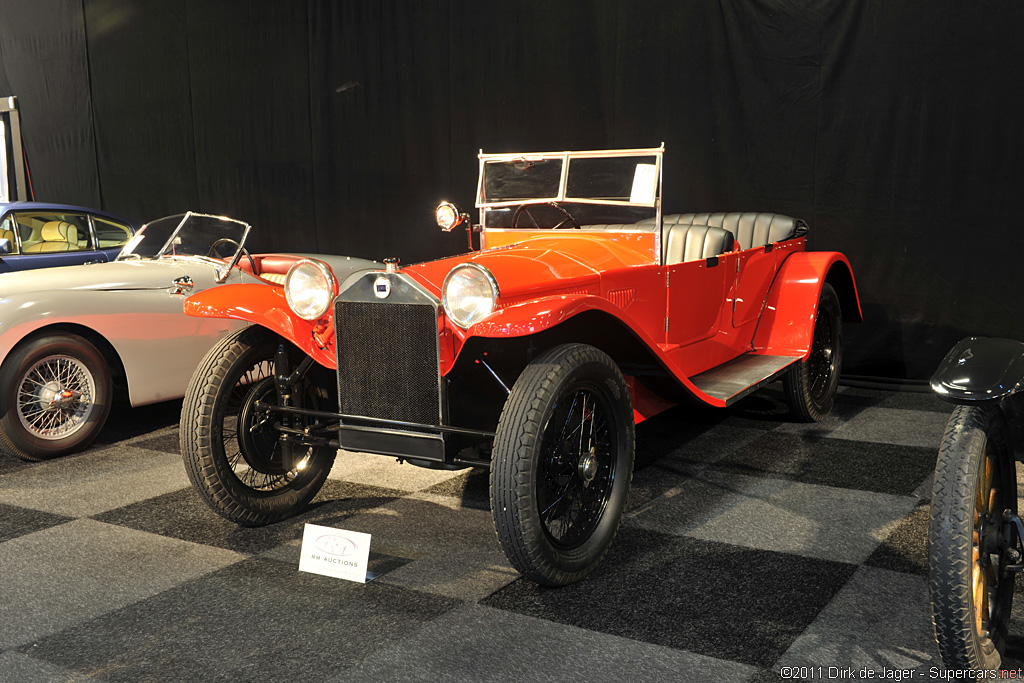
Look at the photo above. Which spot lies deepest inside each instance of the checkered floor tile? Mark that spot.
(750, 543)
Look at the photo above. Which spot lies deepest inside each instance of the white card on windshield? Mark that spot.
(645, 181)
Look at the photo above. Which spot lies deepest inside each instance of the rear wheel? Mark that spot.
(562, 464)
(233, 453)
(55, 395)
(811, 384)
(971, 538)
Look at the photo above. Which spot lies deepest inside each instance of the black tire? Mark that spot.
(55, 396)
(811, 384)
(975, 462)
(238, 471)
(557, 506)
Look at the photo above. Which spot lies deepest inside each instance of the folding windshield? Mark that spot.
(611, 177)
(190, 234)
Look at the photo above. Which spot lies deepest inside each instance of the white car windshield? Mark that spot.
(189, 234)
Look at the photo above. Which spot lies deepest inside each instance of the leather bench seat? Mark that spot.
(751, 229)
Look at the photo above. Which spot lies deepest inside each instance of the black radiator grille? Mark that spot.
(387, 361)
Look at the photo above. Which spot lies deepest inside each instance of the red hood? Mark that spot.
(540, 265)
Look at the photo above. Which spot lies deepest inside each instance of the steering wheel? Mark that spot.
(213, 251)
(567, 220)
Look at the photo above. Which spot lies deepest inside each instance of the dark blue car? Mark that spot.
(41, 235)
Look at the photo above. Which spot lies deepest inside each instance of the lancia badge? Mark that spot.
(381, 288)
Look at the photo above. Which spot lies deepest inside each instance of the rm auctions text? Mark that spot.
(849, 673)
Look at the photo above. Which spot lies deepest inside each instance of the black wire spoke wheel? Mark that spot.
(233, 451)
(971, 538)
(250, 442)
(576, 469)
(562, 463)
(810, 385)
(55, 395)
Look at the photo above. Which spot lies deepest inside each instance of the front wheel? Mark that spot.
(55, 395)
(232, 451)
(971, 538)
(562, 464)
(811, 385)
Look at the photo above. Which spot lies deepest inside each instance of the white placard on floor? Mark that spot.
(335, 552)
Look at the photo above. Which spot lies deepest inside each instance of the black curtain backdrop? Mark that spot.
(891, 127)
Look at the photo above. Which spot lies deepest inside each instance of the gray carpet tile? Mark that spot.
(64, 575)
(906, 548)
(255, 620)
(95, 481)
(486, 645)
(751, 542)
(712, 598)
(776, 514)
(17, 521)
(470, 488)
(880, 621)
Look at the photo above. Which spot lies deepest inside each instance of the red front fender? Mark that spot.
(786, 326)
(265, 306)
(548, 312)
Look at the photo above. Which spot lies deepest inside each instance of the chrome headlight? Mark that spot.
(310, 288)
(449, 216)
(469, 294)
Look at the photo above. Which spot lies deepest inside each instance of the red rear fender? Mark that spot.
(786, 325)
(265, 306)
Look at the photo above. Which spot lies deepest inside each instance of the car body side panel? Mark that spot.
(786, 325)
(158, 346)
(547, 312)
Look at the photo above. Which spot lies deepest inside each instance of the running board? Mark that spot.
(732, 381)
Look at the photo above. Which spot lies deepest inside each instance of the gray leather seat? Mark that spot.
(751, 229)
(695, 242)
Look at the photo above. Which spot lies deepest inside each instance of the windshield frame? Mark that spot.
(566, 158)
(167, 249)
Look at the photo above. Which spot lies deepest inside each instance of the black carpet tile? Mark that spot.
(866, 466)
(255, 620)
(17, 521)
(166, 442)
(126, 422)
(710, 598)
(183, 514)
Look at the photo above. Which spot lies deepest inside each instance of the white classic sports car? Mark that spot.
(71, 336)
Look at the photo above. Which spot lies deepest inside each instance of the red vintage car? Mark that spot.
(585, 311)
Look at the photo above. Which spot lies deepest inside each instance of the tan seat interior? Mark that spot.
(56, 236)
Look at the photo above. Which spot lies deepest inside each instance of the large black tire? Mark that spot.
(970, 538)
(811, 384)
(55, 396)
(557, 501)
(238, 470)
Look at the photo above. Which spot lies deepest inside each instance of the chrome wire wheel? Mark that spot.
(56, 397)
(576, 469)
